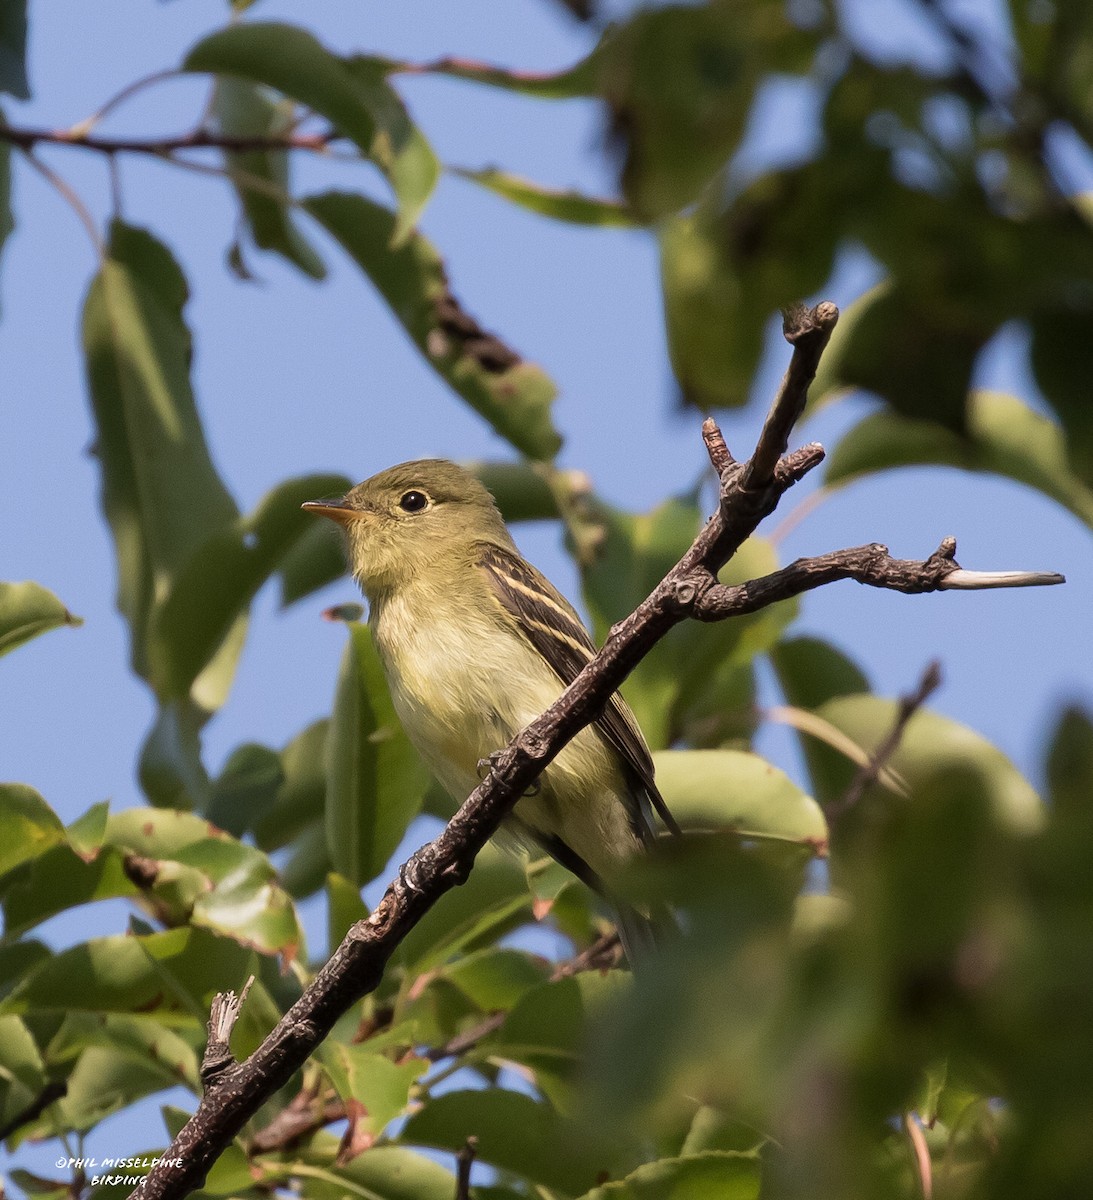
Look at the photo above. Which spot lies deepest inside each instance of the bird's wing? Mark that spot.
(554, 629)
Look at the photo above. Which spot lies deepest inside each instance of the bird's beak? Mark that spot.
(333, 507)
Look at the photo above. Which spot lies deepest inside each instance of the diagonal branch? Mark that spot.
(749, 492)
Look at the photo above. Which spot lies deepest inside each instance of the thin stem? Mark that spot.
(138, 85)
(72, 197)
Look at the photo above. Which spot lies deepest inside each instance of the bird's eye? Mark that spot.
(413, 501)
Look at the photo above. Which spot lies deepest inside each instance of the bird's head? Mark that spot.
(400, 523)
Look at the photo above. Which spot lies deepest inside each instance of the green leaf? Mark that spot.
(298, 805)
(237, 892)
(569, 206)
(59, 881)
(172, 975)
(27, 610)
(191, 620)
(344, 908)
(1004, 436)
(714, 343)
(121, 1059)
(13, 49)
(711, 1175)
(353, 94)
(492, 902)
(578, 80)
(244, 108)
(811, 671)
(515, 1133)
(22, 1073)
(679, 84)
(731, 789)
(494, 979)
(317, 559)
(514, 396)
(161, 493)
(28, 826)
(376, 780)
(247, 788)
(931, 745)
(726, 268)
(383, 1087)
(384, 1173)
(547, 1030)
(399, 147)
(1061, 358)
(170, 768)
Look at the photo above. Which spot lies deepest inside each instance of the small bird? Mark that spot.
(476, 643)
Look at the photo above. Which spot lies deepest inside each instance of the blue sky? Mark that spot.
(294, 377)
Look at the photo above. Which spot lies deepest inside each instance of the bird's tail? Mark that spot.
(644, 935)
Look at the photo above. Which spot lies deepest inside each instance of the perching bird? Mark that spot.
(476, 643)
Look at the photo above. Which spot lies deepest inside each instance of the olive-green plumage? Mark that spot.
(476, 643)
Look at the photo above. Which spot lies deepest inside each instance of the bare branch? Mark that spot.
(808, 332)
(463, 1175)
(201, 138)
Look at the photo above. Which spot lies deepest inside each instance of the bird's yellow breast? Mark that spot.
(464, 684)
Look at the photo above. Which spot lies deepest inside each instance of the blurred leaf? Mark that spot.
(569, 206)
(22, 1073)
(86, 833)
(383, 1087)
(399, 147)
(730, 789)
(515, 1133)
(121, 1059)
(316, 559)
(710, 1175)
(27, 610)
(308, 864)
(243, 108)
(28, 826)
(7, 217)
(384, 1173)
(352, 93)
(932, 744)
(298, 804)
(376, 780)
(191, 620)
(13, 49)
(578, 80)
(17, 960)
(1004, 436)
(513, 395)
(810, 672)
(172, 774)
(493, 901)
(172, 975)
(1062, 358)
(60, 881)
(494, 979)
(160, 491)
(679, 84)
(247, 788)
(344, 908)
(547, 1030)
(726, 268)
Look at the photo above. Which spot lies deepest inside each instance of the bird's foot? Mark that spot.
(490, 762)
